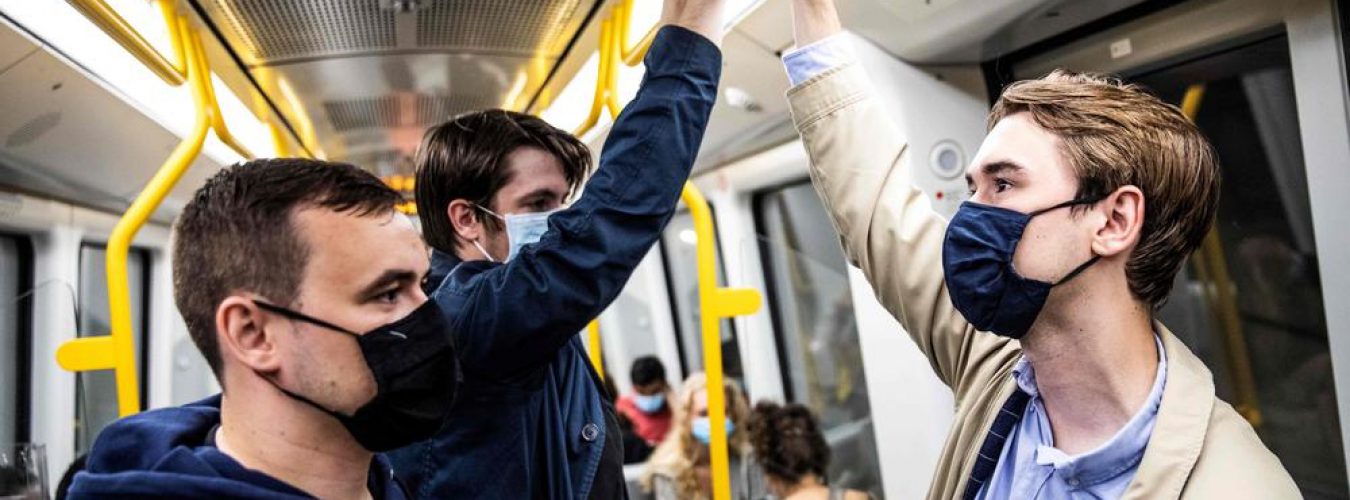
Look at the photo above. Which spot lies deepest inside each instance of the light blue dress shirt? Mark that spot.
(1030, 467)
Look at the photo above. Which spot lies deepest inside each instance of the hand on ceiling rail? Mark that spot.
(102, 15)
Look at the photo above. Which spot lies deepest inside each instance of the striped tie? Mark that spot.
(987, 461)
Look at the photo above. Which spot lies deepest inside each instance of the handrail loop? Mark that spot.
(107, 19)
(116, 351)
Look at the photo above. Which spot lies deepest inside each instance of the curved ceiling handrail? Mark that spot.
(102, 15)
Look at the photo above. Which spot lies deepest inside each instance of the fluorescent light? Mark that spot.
(736, 10)
(70, 33)
(243, 124)
(569, 110)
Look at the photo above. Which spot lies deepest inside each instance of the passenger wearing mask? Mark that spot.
(679, 468)
(793, 453)
(300, 285)
(647, 406)
(1035, 303)
(518, 273)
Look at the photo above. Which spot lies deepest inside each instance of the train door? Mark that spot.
(816, 328)
(1250, 302)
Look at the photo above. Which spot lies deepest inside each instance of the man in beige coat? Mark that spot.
(1035, 302)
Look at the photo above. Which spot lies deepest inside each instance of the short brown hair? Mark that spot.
(465, 159)
(237, 234)
(1116, 134)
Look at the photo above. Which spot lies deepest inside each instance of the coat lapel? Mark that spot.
(1183, 420)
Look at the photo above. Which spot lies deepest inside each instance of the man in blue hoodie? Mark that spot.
(300, 284)
(519, 274)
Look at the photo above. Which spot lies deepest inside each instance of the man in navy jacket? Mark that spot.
(518, 281)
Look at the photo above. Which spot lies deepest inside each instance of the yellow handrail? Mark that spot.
(715, 303)
(116, 27)
(593, 347)
(631, 57)
(1212, 267)
(116, 350)
(601, 80)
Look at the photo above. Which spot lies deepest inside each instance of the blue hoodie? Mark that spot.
(171, 453)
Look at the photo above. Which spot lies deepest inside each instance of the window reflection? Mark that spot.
(816, 328)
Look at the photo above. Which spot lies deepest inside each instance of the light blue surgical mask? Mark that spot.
(649, 404)
(702, 429)
(521, 230)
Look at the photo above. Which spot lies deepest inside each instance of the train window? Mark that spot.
(15, 282)
(815, 328)
(677, 245)
(96, 392)
(1249, 302)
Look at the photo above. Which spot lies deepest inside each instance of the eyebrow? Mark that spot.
(542, 193)
(389, 277)
(995, 168)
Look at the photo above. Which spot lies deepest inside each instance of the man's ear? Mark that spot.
(464, 218)
(242, 334)
(1124, 211)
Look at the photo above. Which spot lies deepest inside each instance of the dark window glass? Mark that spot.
(15, 283)
(1249, 302)
(96, 391)
(816, 329)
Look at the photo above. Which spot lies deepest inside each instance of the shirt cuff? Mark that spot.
(833, 51)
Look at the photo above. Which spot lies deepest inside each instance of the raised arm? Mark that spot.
(519, 314)
(886, 224)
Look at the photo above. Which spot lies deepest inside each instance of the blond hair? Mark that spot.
(1114, 135)
(678, 453)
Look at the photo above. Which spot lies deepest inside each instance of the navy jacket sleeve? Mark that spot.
(517, 315)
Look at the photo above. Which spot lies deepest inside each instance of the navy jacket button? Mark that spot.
(590, 432)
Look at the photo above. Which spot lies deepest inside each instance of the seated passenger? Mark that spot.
(680, 469)
(299, 283)
(519, 276)
(793, 453)
(647, 406)
(635, 449)
(1036, 302)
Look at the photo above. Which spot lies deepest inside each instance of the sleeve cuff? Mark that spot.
(803, 63)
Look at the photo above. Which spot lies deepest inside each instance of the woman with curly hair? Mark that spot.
(679, 467)
(791, 449)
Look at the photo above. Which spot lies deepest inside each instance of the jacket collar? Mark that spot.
(1183, 421)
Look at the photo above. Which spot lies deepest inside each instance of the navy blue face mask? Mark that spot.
(977, 262)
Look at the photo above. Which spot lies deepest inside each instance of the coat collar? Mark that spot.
(1183, 421)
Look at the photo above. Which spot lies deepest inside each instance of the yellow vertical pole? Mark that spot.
(1212, 267)
(593, 347)
(117, 350)
(715, 303)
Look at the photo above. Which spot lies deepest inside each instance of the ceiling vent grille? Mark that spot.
(286, 29)
(400, 110)
(524, 27)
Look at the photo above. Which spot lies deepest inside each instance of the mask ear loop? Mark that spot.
(1070, 203)
(478, 245)
(1078, 270)
(484, 251)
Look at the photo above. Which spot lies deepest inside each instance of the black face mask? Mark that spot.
(416, 375)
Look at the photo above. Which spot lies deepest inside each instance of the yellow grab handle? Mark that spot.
(89, 353)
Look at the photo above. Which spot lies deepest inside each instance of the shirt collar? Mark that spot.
(1117, 454)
